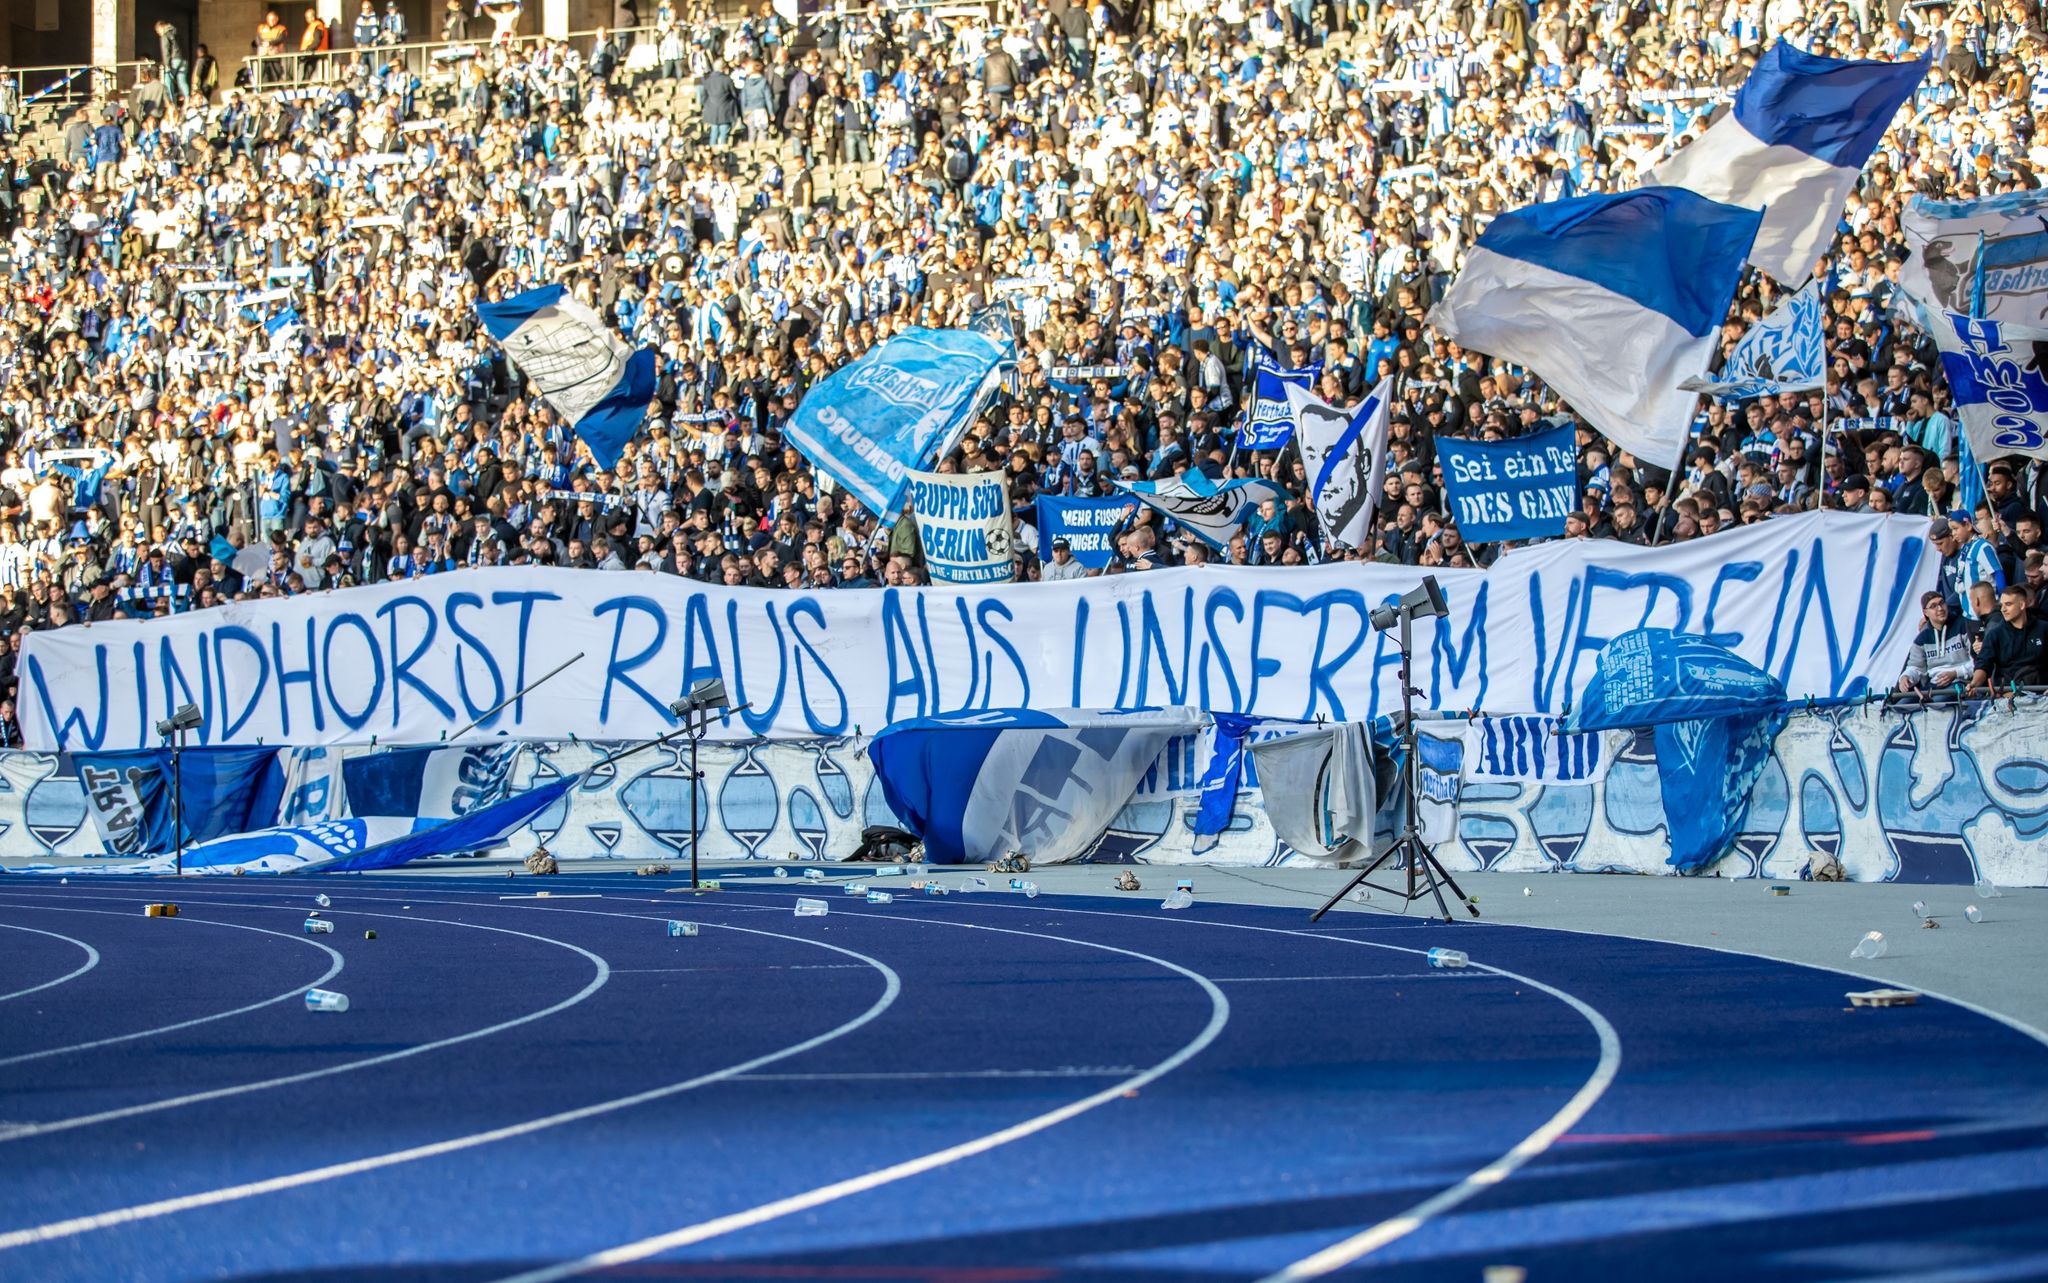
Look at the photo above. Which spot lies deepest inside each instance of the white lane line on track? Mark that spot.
(892, 986)
(1219, 1016)
(1360, 1245)
(92, 959)
(1463, 973)
(1063, 1071)
(597, 981)
(333, 970)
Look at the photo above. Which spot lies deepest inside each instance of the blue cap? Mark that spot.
(1961, 518)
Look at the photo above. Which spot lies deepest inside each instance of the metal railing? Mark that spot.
(68, 84)
(421, 58)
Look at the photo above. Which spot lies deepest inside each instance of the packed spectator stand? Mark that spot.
(240, 356)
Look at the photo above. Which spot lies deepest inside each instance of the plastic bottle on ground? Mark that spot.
(1178, 900)
(806, 908)
(814, 875)
(676, 928)
(1973, 913)
(890, 871)
(781, 872)
(1872, 945)
(1448, 958)
(855, 888)
(326, 1000)
(880, 897)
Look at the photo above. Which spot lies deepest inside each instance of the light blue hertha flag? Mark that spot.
(1201, 507)
(1270, 419)
(578, 365)
(1615, 300)
(1781, 353)
(977, 785)
(897, 409)
(1792, 147)
(1998, 373)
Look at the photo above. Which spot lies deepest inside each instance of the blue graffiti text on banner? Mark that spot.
(1998, 372)
(1520, 489)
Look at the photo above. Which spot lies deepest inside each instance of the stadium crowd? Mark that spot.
(239, 355)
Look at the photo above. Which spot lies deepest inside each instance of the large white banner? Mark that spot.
(1827, 602)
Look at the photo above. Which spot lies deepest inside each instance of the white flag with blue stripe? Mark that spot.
(1345, 453)
(584, 371)
(1201, 507)
(1615, 300)
(1781, 353)
(1799, 134)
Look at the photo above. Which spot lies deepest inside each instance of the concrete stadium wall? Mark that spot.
(1946, 795)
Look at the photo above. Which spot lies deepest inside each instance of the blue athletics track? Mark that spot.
(967, 1089)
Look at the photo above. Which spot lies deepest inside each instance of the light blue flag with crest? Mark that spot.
(1781, 353)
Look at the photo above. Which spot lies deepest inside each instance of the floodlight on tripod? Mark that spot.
(1425, 875)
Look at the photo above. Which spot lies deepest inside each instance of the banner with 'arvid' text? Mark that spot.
(1825, 602)
(1519, 489)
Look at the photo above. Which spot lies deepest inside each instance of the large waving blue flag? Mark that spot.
(1802, 128)
(577, 364)
(977, 785)
(896, 410)
(1781, 353)
(1615, 300)
(1715, 716)
(1201, 507)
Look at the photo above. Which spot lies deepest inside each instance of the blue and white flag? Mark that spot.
(225, 790)
(1614, 300)
(1781, 353)
(436, 782)
(1998, 374)
(1802, 127)
(1345, 455)
(1715, 717)
(977, 785)
(1531, 750)
(1519, 489)
(1269, 420)
(1217, 792)
(965, 525)
(1201, 507)
(1088, 525)
(898, 408)
(578, 365)
(1981, 258)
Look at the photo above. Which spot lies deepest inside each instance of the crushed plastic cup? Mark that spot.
(918, 870)
(1446, 959)
(1920, 910)
(323, 901)
(1973, 913)
(1361, 895)
(1030, 890)
(855, 888)
(880, 897)
(676, 928)
(971, 885)
(1178, 900)
(319, 927)
(326, 1000)
(1527, 891)
(1988, 890)
(1872, 945)
(808, 908)
(935, 888)
(814, 875)
(781, 872)
(890, 871)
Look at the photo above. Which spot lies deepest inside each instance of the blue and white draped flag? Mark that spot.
(434, 782)
(1088, 525)
(1201, 507)
(1781, 353)
(1715, 717)
(1801, 129)
(1223, 775)
(1531, 750)
(226, 790)
(965, 525)
(1345, 455)
(976, 785)
(578, 365)
(898, 408)
(1269, 420)
(1998, 374)
(1981, 258)
(1614, 300)
(1519, 489)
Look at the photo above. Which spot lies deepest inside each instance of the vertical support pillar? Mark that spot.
(554, 19)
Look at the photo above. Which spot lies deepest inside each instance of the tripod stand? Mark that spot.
(1425, 875)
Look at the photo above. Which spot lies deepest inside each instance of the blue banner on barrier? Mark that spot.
(1518, 489)
(128, 795)
(1088, 525)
